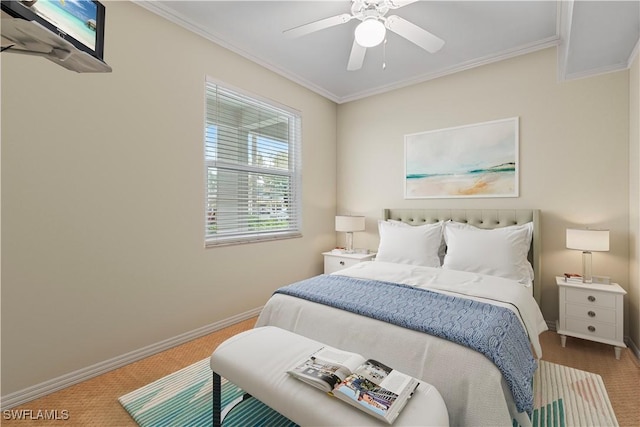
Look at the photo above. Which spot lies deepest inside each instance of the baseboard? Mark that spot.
(64, 381)
(633, 347)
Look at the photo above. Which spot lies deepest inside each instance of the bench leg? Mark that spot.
(218, 413)
(217, 400)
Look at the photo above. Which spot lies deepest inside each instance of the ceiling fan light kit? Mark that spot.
(370, 32)
(373, 28)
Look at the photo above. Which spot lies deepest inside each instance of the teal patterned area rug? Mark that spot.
(184, 398)
(567, 397)
(563, 397)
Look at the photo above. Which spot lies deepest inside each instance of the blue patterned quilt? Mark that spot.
(493, 331)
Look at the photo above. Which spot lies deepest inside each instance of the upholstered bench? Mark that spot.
(257, 361)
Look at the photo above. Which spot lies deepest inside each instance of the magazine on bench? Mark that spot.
(366, 384)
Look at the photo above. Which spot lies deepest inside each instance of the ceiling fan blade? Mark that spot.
(396, 4)
(356, 58)
(429, 42)
(318, 25)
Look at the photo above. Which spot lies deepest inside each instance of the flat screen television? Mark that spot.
(80, 22)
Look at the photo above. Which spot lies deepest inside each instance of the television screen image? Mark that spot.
(79, 22)
(73, 17)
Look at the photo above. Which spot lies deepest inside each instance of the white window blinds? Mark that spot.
(253, 173)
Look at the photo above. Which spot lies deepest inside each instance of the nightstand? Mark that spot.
(334, 262)
(591, 311)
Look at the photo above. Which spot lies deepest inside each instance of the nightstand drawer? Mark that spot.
(592, 328)
(590, 297)
(587, 313)
(337, 261)
(332, 264)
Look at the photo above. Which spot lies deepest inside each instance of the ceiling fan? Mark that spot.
(372, 30)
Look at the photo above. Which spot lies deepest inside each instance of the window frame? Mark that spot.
(241, 218)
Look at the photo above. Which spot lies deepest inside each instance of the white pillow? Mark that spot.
(498, 252)
(442, 249)
(415, 245)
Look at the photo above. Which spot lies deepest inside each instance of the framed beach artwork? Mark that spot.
(478, 160)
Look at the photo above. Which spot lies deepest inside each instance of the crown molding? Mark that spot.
(158, 8)
(561, 40)
(634, 54)
(597, 71)
(565, 19)
(478, 62)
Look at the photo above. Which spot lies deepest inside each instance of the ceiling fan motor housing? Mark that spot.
(363, 9)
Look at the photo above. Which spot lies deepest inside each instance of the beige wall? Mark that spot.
(574, 139)
(633, 298)
(102, 199)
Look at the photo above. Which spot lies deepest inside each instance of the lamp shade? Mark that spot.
(588, 240)
(348, 223)
(370, 32)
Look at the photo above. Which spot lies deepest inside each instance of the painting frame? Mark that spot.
(479, 160)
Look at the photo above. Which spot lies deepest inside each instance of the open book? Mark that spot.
(365, 384)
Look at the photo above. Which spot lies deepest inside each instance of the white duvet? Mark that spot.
(471, 385)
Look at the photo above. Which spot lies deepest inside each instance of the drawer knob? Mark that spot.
(591, 328)
(591, 298)
(591, 314)
(341, 262)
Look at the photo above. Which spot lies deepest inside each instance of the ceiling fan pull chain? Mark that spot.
(384, 54)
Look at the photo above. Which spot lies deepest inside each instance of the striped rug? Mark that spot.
(564, 397)
(184, 398)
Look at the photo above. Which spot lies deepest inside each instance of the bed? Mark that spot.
(479, 385)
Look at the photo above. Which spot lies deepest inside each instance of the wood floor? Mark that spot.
(95, 401)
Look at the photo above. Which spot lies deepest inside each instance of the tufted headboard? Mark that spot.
(482, 218)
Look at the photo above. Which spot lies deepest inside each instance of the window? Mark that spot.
(252, 161)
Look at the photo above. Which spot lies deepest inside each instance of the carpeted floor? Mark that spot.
(95, 401)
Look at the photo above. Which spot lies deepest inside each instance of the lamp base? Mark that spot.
(587, 276)
(349, 249)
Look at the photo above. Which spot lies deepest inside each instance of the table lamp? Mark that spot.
(587, 241)
(348, 224)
